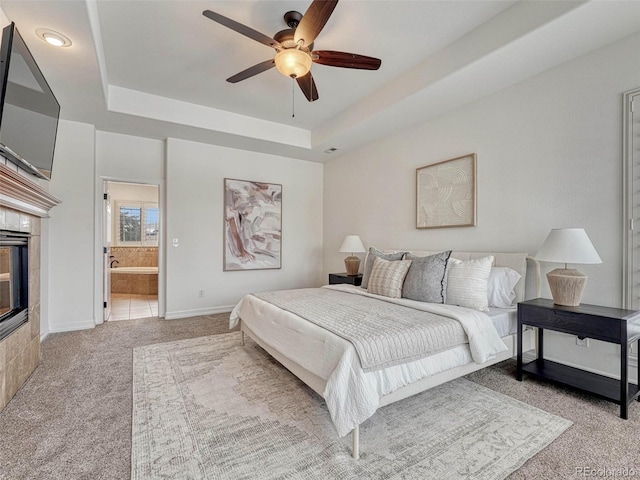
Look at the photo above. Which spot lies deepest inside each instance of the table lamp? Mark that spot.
(352, 244)
(567, 245)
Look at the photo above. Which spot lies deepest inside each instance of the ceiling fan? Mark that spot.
(294, 47)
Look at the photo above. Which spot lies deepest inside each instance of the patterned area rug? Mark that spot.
(208, 408)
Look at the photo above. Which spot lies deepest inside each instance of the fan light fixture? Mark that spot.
(294, 47)
(292, 62)
(53, 38)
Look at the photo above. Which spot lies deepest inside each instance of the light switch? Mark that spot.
(175, 242)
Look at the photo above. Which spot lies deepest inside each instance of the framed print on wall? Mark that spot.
(446, 193)
(252, 225)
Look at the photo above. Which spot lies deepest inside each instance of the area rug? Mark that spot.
(209, 408)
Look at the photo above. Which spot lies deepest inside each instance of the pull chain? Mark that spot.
(293, 97)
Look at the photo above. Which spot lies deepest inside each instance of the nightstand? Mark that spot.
(585, 321)
(335, 278)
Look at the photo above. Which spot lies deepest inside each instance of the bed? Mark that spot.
(355, 382)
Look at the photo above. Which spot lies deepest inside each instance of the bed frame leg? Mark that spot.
(242, 338)
(355, 434)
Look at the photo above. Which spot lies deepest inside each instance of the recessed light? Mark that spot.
(53, 38)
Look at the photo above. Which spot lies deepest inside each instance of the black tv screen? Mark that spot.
(29, 111)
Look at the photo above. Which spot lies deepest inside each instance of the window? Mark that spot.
(137, 224)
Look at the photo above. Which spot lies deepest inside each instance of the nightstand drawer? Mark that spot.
(574, 323)
(337, 278)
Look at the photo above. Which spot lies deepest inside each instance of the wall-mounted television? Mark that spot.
(29, 111)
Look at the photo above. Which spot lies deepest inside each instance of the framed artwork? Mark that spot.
(446, 193)
(252, 225)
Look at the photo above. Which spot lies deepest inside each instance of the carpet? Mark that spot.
(208, 408)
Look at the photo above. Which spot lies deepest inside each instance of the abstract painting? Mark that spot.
(252, 225)
(446, 193)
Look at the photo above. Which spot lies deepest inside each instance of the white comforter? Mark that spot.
(352, 395)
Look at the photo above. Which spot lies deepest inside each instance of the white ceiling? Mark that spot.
(158, 68)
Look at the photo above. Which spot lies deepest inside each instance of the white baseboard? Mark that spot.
(43, 336)
(197, 312)
(71, 327)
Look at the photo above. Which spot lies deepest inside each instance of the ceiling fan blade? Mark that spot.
(345, 60)
(240, 28)
(251, 71)
(313, 21)
(308, 87)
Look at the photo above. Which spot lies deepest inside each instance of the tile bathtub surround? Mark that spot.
(20, 351)
(141, 284)
(135, 256)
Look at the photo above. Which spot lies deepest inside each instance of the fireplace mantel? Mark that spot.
(19, 193)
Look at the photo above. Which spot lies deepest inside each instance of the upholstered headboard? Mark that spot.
(517, 261)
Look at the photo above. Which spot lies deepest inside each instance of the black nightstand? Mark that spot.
(335, 278)
(585, 321)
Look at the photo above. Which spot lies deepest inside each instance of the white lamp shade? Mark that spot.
(352, 244)
(568, 245)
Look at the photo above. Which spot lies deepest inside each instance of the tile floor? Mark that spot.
(125, 306)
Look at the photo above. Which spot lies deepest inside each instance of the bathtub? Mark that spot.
(136, 280)
(135, 270)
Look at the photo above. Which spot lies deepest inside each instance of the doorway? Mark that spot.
(131, 239)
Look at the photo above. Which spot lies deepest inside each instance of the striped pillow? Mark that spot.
(467, 283)
(387, 277)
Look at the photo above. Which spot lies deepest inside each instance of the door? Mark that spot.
(106, 249)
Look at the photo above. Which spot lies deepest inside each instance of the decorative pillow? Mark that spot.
(467, 283)
(425, 278)
(502, 281)
(371, 256)
(387, 277)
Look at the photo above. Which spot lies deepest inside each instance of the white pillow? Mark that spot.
(502, 281)
(467, 283)
(387, 277)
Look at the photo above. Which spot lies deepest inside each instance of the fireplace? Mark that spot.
(23, 204)
(14, 281)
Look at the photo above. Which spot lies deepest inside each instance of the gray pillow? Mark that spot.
(371, 257)
(425, 279)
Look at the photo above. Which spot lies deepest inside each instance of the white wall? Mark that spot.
(549, 155)
(68, 236)
(195, 176)
(128, 158)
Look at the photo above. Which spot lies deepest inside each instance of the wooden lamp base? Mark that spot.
(352, 264)
(567, 286)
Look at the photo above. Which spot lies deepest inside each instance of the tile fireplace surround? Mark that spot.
(22, 205)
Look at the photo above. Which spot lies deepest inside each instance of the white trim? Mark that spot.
(43, 336)
(133, 204)
(627, 198)
(633, 362)
(70, 327)
(98, 225)
(197, 312)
